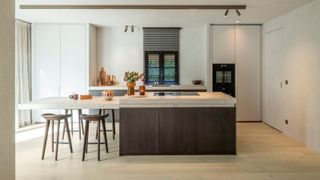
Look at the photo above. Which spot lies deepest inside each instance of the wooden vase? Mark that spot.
(131, 86)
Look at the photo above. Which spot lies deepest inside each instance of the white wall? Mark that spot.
(119, 52)
(301, 66)
(7, 80)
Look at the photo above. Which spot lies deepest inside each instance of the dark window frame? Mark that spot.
(161, 67)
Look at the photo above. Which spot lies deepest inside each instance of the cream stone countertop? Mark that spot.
(66, 103)
(153, 88)
(205, 99)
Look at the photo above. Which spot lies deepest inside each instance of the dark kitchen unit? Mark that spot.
(223, 77)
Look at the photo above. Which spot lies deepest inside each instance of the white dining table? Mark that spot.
(59, 103)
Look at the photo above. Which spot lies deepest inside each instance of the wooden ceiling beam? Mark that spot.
(155, 7)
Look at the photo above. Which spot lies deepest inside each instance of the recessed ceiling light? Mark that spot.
(237, 22)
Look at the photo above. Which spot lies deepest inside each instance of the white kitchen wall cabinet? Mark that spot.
(223, 44)
(60, 60)
(248, 73)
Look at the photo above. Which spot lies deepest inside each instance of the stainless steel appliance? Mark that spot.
(223, 77)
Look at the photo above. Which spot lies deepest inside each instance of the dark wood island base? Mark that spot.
(178, 131)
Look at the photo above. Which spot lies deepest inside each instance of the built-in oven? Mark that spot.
(223, 77)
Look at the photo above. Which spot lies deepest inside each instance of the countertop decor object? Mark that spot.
(197, 82)
(86, 97)
(142, 90)
(105, 79)
(108, 95)
(131, 78)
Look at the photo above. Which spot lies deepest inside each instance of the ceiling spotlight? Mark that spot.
(237, 22)
(126, 28)
(132, 28)
(238, 12)
(226, 13)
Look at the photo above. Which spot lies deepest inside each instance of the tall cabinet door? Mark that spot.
(74, 76)
(46, 60)
(45, 63)
(248, 78)
(223, 44)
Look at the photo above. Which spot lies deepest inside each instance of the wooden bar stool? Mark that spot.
(52, 118)
(113, 130)
(100, 119)
(80, 123)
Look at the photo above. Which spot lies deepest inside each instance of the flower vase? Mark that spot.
(131, 86)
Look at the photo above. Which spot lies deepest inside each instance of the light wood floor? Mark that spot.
(263, 153)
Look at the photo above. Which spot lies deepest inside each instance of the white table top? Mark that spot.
(205, 99)
(66, 103)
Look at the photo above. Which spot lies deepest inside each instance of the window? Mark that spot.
(161, 67)
(161, 51)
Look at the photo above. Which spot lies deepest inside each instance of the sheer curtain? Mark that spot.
(23, 71)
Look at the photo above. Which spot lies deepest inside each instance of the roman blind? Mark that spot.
(161, 39)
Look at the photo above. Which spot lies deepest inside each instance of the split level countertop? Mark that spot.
(205, 99)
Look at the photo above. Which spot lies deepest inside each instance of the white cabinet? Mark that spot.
(74, 71)
(240, 45)
(248, 73)
(46, 61)
(60, 60)
(223, 44)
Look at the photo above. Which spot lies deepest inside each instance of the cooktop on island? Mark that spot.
(175, 94)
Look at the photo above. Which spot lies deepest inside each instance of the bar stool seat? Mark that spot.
(100, 119)
(52, 118)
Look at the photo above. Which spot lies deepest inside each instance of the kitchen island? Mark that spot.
(181, 124)
(176, 123)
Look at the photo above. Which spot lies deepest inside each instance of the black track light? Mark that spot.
(126, 28)
(226, 13)
(238, 12)
(132, 28)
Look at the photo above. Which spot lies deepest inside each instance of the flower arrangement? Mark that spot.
(132, 77)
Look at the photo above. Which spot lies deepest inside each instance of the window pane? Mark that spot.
(169, 60)
(153, 60)
(154, 74)
(169, 74)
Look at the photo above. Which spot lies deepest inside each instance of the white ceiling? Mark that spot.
(258, 11)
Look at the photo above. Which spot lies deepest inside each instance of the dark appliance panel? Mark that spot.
(223, 77)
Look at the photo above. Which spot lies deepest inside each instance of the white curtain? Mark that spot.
(23, 71)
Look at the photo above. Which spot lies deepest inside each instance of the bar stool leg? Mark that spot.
(85, 140)
(45, 139)
(97, 131)
(81, 120)
(64, 125)
(113, 124)
(79, 124)
(52, 136)
(57, 142)
(69, 136)
(105, 134)
(71, 121)
(99, 122)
